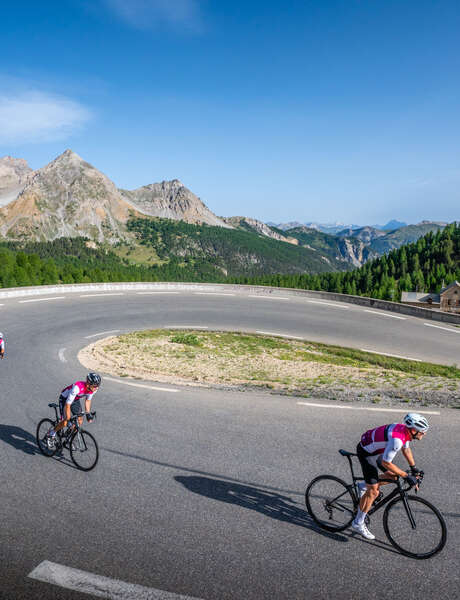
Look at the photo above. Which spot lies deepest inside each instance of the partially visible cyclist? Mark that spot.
(2, 346)
(69, 403)
(377, 450)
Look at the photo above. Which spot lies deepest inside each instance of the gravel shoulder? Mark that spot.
(293, 367)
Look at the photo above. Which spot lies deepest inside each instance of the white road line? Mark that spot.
(62, 358)
(285, 335)
(141, 385)
(445, 328)
(346, 407)
(102, 295)
(382, 314)
(328, 304)
(101, 333)
(392, 355)
(150, 293)
(185, 327)
(98, 585)
(267, 297)
(42, 299)
(211, 294)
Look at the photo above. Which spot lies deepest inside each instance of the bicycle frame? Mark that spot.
(399, 490)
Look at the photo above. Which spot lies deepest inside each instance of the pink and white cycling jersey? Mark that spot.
(386, 440)
(2, 344)
(77, 391)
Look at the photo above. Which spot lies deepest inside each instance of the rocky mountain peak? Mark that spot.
(13, 176)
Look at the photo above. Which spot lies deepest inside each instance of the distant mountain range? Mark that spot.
(71, 198)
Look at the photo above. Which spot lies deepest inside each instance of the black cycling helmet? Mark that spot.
(93, 379)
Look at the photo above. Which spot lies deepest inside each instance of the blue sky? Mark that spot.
(309, 110)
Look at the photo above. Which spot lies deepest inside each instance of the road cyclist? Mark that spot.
(376, 451)
(70, 404)
(2, 346)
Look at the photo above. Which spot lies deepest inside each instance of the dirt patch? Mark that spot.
(250, 361)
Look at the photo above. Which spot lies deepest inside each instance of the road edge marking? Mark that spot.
(373, 408)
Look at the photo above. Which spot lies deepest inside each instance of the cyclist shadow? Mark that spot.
(19, 438)
(276, 506)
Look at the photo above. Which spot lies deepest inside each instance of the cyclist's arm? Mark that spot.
(409, 456)
(392, 448)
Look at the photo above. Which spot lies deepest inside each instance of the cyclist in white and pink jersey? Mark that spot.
(377, 450)
(2, 346)
(69, 403)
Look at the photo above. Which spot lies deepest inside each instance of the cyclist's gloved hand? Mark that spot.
(412, 480)
(89, 417)
(414, 470)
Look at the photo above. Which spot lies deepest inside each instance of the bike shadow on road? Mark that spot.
(271, 504)
(19, 438)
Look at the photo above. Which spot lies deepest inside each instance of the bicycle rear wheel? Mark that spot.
(330, 503)
(42, 429)
(84, 450)
(430, 533)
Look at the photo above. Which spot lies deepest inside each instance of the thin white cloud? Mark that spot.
(144, 14)
(33, 116)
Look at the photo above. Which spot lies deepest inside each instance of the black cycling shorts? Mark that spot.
(75, 407)
(370, 463)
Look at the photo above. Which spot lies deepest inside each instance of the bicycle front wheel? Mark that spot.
(427, 538)
(84, 450)
(42, 429)
(330, 503)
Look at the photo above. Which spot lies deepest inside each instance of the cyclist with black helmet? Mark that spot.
(69, 403)
(377, 450)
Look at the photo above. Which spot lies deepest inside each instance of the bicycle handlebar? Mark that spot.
(82, 414)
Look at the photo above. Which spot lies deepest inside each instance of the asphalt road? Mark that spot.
(199, 493)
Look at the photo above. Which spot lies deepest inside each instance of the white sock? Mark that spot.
(360, 517)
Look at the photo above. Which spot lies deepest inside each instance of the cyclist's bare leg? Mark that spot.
(369, 496)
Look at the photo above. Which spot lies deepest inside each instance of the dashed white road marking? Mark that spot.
(62, 358)
(141, 385)
(346, 407)
(328, 304)
(101, 333)
(284, 335)
(382, 314)
(445, 328)
(150, 293)
(391, 355)
(101, 295)
(98, 585)
(185, 327)
(268, 297)
(212, 294)
(42, 299)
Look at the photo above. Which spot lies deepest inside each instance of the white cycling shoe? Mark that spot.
(363, 530)
(51, 441)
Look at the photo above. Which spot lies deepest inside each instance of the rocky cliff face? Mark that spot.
(13, 176)
(255, 226)
(67, 197)
(171, 200)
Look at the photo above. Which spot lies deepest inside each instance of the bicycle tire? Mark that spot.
(76, 452)
(329, 498)
(42, 429)
(430, 521)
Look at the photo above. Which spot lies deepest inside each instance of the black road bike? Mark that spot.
(82, 446)
(412, 524)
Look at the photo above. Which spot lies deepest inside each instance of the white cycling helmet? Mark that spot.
(1, 335)
(416, 421)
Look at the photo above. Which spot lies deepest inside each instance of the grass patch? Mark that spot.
(189, 339)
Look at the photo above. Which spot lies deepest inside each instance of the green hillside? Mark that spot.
(402, 236)
(234, 252)
(424, 265)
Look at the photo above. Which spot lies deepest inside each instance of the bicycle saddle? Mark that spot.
(52, 405)
(346, 453)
